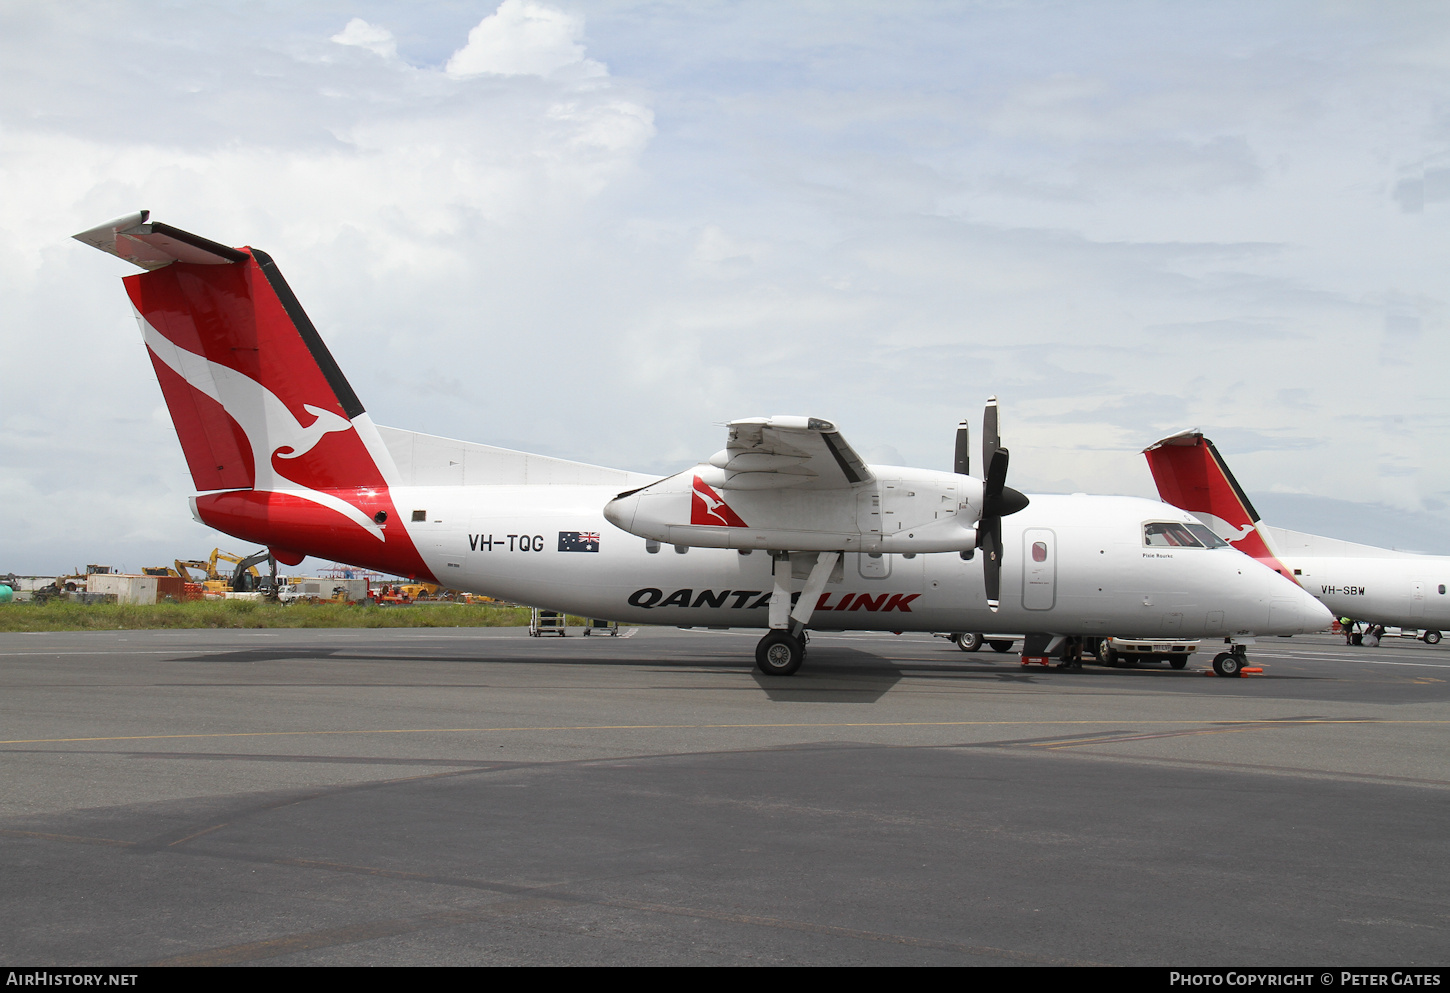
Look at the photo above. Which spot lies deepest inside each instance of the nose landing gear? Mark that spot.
(1231, 662)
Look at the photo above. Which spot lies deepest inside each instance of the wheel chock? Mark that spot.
(1042, 660)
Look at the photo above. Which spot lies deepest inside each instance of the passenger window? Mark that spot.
(1039, 551)
(1442, 589)
(1166, 535)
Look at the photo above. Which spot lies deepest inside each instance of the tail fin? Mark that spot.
(259, 404)
(1192, 476)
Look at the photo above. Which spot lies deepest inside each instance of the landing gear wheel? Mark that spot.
(1178, 663)
(1228, 664)
(968, 641)
(1000, 646)
(779, 654)
(1432, 637)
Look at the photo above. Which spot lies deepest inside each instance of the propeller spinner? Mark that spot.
(998, 499)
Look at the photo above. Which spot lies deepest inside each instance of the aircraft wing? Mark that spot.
(793, 483)
(768, 453)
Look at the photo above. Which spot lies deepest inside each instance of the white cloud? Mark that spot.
(523, 38)
(361, 34)
(358, 175)
(876, 218)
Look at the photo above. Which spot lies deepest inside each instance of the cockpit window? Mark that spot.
(1164, 535)
(1205, 535)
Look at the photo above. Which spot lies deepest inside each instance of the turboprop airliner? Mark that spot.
(785, 529)
(1359, 582)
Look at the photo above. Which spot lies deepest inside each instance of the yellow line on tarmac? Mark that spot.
(705, 727)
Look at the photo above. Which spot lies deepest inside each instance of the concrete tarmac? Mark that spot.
(478, 797)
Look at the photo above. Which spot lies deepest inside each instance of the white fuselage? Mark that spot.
(1366, 583)
(1095, 576)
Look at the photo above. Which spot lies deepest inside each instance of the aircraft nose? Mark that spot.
(1294, 611)
(1313, 615)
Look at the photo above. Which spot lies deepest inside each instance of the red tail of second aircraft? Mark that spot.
(266, 419)
(1192, 476)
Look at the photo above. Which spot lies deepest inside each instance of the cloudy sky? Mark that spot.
(599, 230)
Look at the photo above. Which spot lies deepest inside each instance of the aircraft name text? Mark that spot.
(755, 599)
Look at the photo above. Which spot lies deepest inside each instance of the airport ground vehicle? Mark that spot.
(1109, 651)
(972, 641)
(1378, 632)
(1131, 651)
(308, 589)
(785, 524)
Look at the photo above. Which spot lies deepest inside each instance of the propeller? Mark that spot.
(998, 500)
(962, 465)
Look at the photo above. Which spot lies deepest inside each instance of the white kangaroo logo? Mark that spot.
(1224, 529)
(712, 505)
(326, 423)
(271, 428)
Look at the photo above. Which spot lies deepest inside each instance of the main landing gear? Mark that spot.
(780, 653)
(783, 649)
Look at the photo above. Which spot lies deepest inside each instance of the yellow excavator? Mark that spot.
(244, 577)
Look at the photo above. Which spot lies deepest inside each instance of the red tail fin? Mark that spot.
(1192, 476)
(260, 406)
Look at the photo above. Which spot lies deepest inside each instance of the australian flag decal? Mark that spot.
(578, 541)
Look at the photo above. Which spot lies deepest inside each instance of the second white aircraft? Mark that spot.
(1357, 582)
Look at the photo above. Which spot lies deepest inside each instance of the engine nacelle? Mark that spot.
(715, 506)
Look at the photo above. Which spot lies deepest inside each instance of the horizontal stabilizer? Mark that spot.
(151, 244)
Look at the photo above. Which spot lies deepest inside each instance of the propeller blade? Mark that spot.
(996, 480)
(992, 561)
(990, 440)
(998, 501)
(963, 463)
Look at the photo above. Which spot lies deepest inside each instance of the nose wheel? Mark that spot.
(1230, 663)
(780, 653)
